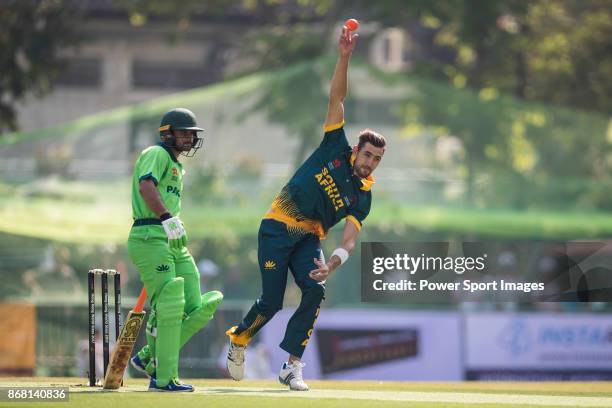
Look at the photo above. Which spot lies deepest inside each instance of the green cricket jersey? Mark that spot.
(324, 189)
(158, 164)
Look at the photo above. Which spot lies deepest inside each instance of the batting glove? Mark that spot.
(177, 237)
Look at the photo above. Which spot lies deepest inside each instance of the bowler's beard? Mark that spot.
(362, 172)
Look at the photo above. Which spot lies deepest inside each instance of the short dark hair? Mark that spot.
(372, 137)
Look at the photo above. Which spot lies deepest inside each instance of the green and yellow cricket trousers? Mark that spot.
(280, 251)
(178, 309)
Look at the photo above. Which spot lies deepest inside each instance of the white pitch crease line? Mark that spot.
(404, 396)
(414, 396)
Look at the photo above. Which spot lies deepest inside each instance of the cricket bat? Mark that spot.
(125, 344)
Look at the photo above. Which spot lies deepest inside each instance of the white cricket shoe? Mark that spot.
(291, 375)
(235, 361)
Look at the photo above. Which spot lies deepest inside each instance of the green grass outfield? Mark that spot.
(327, 394)
(100, 212)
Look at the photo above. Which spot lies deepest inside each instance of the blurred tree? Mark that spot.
(481, 120)
(546, 50)
(477, 55)
(32, 32)
(569, 55)
(298, 34)
(296, 100)
(271, 34)
(179, 12)
(554, 51)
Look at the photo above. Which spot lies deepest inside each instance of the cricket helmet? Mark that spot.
(180, 119)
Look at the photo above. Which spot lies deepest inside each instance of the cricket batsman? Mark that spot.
(334, 183)
(157, 246)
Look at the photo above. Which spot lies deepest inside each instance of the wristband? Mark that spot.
(342, 254)
(165, 216)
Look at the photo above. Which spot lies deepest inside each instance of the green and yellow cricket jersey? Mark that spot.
(324, 189)
(158, 164)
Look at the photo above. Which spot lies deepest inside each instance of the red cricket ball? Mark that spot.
(351, 24)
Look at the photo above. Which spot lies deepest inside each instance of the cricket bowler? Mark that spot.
(157, 246)
(334, 183)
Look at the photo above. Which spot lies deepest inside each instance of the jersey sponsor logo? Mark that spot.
(335, 164)
(173, 190)
(350, 200)
(326, 181)
(270, 265)
(162, 268)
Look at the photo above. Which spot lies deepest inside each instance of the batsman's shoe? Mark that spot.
(235, 357)
(173, 386)
(139, 365)
(291, 375)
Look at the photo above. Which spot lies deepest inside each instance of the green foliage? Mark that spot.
(62, 212)
(552, 51)
(546, 51)
(516, 154)
(284, 35)
(32, 32)
(203, 184)
(569, 56)
(296, 99)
